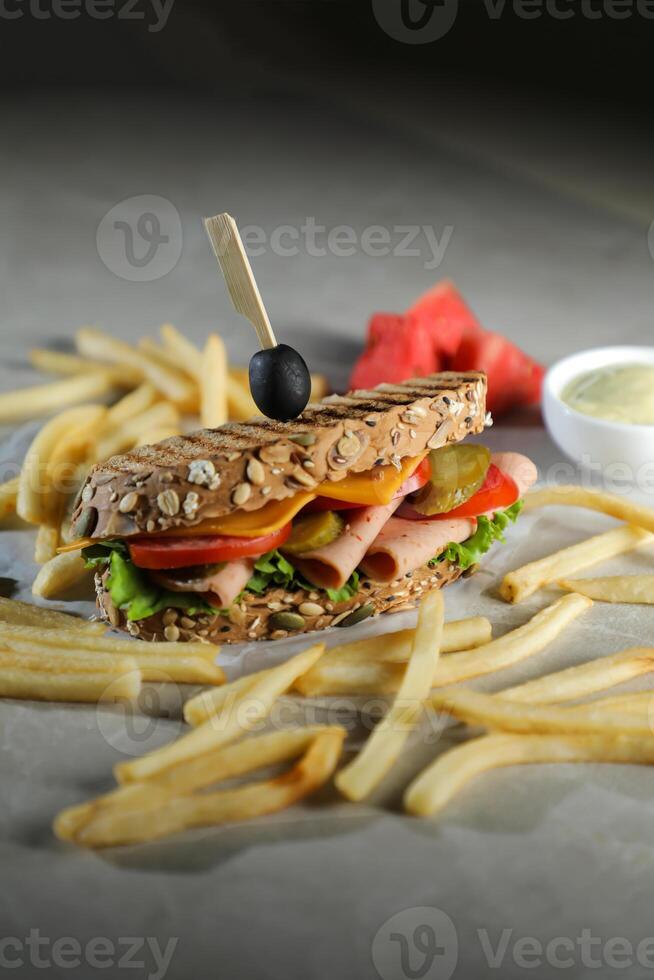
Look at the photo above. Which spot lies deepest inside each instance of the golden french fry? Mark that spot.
(117, 825)
(13, 634)
(614, 588)
(31, 403)
(172, 384)
(239, 400)
(459, 635)
(57, 362)
(45, 547)
(368, 677)
(493, 711)
(131, 406)
(123, 438)
(180, 668)
(380, 752)
(241, 713)
(583, 679)
(234, 760)
(606, 503)
(319, 387)
(433, 789)
(121, 681)
(59, 574)
(67, 462)
(153, 436)
(213, 383)
(187, 355)
(26, 614)
(636, 702)
(8, 496)
(37, 498)
(522, 582)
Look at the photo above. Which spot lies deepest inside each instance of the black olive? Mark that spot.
(280, 382)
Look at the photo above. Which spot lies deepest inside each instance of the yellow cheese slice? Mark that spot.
(371, 488)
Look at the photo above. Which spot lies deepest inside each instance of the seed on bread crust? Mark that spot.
(241, 494)
(255, 472)
(129, 502)
(168, 502)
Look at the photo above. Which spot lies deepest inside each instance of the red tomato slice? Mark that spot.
(153, 552)
(497, 492)
(417, 480)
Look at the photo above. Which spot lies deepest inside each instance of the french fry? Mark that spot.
(239, 400)
(172, 384)
(35, 503)
(45, 547)
(59, 362)
(153, 436)
(31, 403)
(124, 437)
(131, 406)
(166, 668)
(10, 635)
(8, 495)
(68, 460)
(636, 702)
(614, 588)
(59, 574)
(242, 757)
(583, 679)
(187, 355)
(380, 752)
(491, 711)
(245, 710)
(26, 614)
(213, 383)
(459, 635)
(118, 682)
(117, 825)
(368, 677)
(433, 789)
(606, 503)
(522, 582)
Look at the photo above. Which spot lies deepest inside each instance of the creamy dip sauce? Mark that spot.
(624, 393)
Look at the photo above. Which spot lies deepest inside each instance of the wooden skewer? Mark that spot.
(241, 284)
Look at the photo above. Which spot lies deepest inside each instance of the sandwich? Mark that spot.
(263, 530)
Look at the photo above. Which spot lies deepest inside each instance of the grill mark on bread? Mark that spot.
(380, 419)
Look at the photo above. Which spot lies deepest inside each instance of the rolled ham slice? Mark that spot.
(520, 468)
(402, 546)
(226, 584)
(330, 567)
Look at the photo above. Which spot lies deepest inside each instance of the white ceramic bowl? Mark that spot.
(590, 441)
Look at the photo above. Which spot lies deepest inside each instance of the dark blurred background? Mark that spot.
(523, 126)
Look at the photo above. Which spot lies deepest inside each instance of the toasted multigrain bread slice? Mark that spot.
(257, 617)
(243, 466)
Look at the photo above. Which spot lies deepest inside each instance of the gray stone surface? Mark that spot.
(543, 853)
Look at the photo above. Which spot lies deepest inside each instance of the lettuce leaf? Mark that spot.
(130, 588)
(274, 570)
(488, 531)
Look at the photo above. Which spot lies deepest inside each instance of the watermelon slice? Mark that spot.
(513, 377)
(444, 313)
(398, 348)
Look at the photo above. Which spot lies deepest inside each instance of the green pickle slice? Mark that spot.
(457, 472)
(314, 531)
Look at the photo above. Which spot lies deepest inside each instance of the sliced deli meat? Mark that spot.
(520, 468)
(225, 583)
(330, 567)
(402, 546)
